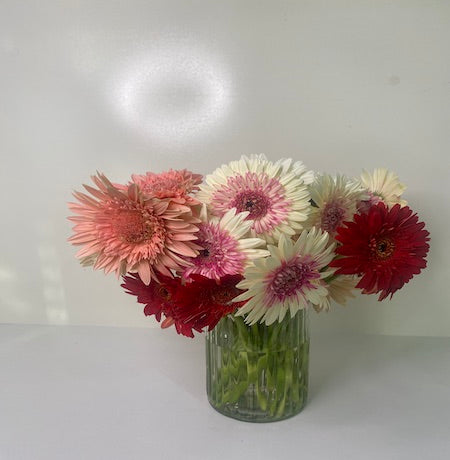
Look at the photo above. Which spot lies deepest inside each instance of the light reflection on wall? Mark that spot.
(52, 283)
(10, 298)
(171, 94)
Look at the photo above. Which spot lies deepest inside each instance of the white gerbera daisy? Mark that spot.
(340, 289)
(226, 247)
(287, 280)
(383, 185)
(274, 194)
(335, 200)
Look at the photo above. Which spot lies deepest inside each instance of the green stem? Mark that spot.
(258, 369)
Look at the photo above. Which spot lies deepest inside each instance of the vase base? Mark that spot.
(255, 416)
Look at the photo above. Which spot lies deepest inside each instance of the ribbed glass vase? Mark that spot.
(258, 373)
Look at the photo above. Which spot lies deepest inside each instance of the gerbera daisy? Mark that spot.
(176, 185)
(124, 231)
(158, 299)
(192, 307)
(156, 296)
(334, 200)
(340, 289)
(203, 301)
(383, 185)
(274, 194)
(289, 279)
(226, 249)
(387, 247)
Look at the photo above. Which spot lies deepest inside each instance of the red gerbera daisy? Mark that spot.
(158, 299)
(200, 303)
(156, 296)
(387, 247)
(204, 301)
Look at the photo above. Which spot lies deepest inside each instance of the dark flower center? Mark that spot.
(290, 278)
(382, 248)
(332, 217)
(255, 202)
(164, 293)
(224, 295)
(211, 253)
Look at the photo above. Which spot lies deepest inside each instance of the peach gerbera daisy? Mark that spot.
(122, 230)
(176, 185)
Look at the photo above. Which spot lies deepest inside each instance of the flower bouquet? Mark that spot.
(242, 255)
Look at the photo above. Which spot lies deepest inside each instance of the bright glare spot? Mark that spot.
(171, 94)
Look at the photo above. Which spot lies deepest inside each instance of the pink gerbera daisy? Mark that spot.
(275, 195)
(226, 247)
(125, 231)
(176, 185)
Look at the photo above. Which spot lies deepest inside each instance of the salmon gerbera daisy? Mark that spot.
(275, 195)
(177, 185)
(290, 279)
(122, 230)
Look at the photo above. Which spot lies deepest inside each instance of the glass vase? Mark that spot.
(258, 373)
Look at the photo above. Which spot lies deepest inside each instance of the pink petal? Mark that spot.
(144, 272)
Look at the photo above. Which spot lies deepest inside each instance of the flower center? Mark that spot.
(224, 295)
(164, 293)
(382, 248)
(253, 201)
(263, 196)
(290, 278)
(211, 253)
(220, 254)
(332, 217)
(134, 227)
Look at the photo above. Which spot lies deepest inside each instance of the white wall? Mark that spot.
(134, 85)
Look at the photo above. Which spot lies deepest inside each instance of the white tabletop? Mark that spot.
(72, 392)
